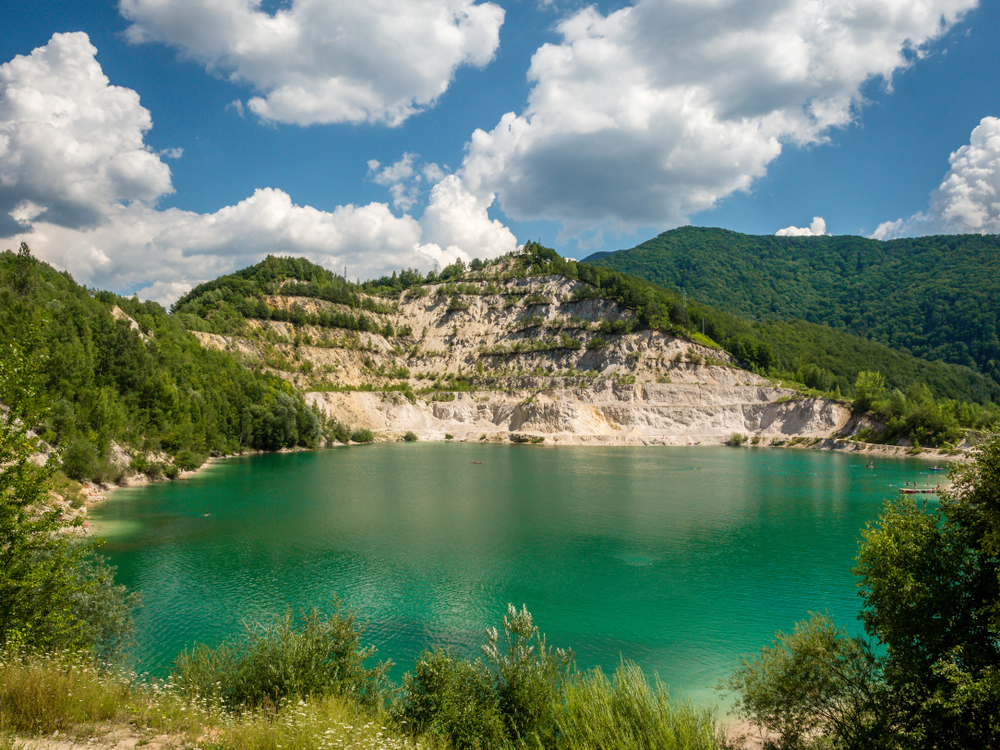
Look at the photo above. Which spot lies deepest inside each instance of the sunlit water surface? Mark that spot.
(680, 559)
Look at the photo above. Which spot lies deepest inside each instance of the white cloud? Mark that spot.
(816, 229)
(457, 221)
(887, 230)
(401, 178)
(118, 239)
(159, 252)
(70, 143)
(317, 61)
(968, 199)
(656, 111)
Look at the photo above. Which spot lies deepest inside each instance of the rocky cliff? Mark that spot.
(522, 358)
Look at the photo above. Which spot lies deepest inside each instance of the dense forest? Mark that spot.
(934, 297)
(150, 386)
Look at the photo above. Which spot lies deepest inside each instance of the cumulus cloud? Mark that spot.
(317, 61)
(80, 186)
(161, 251)
(457, 222)
(968, 199)
(816, 229)
(70, 143)
(656, 111)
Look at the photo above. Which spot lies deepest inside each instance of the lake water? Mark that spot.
(680, 559)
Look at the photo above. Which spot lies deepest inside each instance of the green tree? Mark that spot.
(930, 585)
(931, 594)
(53, 592)
(868, 388)
(815, 682)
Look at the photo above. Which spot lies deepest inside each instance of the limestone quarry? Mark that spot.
(525, 359)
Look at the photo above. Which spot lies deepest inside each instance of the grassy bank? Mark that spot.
(63, 695)
(305, 686)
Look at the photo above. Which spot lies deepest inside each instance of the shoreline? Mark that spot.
(97, 493)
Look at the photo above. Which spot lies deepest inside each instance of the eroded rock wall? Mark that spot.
(537, 364)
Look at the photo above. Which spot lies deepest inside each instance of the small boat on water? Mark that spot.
(938, 468)
(477, 462)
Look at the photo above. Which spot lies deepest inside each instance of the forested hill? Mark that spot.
(824, 358)
(111, 373)
(935, 297)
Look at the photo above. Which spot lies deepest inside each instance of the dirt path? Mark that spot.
(106, 738)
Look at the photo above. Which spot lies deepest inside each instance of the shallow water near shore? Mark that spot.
(680, 559)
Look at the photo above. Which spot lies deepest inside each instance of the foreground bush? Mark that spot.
(454, 700)
(526, 694)
(321, 655)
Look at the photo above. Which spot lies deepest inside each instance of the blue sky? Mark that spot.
(147, 145)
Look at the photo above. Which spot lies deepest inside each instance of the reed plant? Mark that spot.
(627, 713)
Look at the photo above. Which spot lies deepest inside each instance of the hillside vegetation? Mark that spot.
(935, 297)
(475, 329)
(789, 349)
(121, 382)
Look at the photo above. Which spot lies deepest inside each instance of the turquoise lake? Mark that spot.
(680, 559)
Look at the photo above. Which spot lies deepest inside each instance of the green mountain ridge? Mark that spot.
(935, 297)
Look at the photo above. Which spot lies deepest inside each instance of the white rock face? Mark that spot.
(638, 388)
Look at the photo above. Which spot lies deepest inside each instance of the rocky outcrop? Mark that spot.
(525, 356)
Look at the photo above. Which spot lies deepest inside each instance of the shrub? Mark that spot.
(188, 460)
(340, 432)
(320, 655)
(816, 681)
(529, 677)
(452, 699)
(80, 460)
(449, 436)
(737, 439)
(410, 437)
(362, 435)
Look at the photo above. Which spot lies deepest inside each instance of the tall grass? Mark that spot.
(62, 692)
(40, 694)
(626, 713)
(533, 698)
